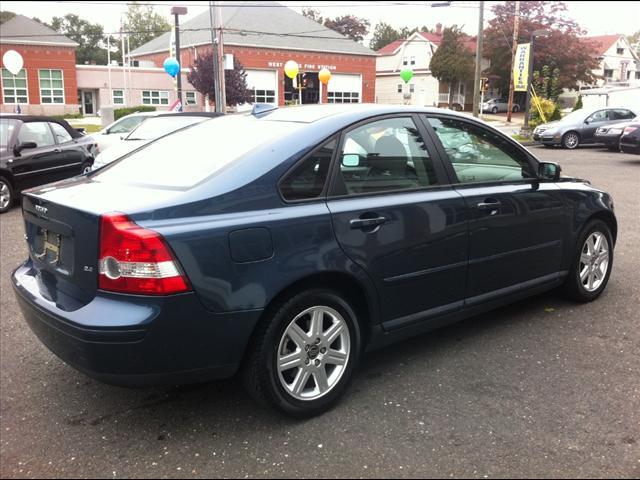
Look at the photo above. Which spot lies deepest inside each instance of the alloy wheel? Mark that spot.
(594, 261)
(313, 353)
(571, 140)
(5, 195)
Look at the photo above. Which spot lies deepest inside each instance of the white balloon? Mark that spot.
(12, 61)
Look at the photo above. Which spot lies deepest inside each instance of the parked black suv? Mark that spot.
(36, 150)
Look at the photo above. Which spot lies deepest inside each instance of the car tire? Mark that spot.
(85, 168)
(570, 140)
(589, 275)
(298, 390)
(7, 195)
(515, 109)
(494, 110)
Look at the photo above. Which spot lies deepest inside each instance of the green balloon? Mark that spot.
(406, 75)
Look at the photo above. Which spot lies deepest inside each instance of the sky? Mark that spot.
(599, 18)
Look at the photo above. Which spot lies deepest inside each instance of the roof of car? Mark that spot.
(190, 114)
(41, 118)
(314, 113)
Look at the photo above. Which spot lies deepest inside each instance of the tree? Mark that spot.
(144, 24)
(6, 15)
(563, 48)
(89, 36)
(453, 62)
(313, 15)
(350, 26)
(203, 80)
(383, 35)
(579, 104)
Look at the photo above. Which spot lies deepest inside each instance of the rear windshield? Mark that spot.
(187, 157)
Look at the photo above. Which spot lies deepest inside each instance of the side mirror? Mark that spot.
(351, 160)
(23, 146)
(586, 121)
(549, 171)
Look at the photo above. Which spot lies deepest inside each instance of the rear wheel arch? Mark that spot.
(342, 284)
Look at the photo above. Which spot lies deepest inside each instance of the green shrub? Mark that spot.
(67, 116)
(557, 114)
(122, 112)
(548, 108)
(578, 104)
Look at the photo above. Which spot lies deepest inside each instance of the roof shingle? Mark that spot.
(26, 31)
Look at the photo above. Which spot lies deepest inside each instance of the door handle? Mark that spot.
(57, 150)
(489, 204)
(367, 223)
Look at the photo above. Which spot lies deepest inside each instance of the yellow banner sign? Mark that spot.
(521, 67)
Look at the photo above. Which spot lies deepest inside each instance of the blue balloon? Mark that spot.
(171, 66)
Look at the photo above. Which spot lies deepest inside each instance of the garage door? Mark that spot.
(263, 83)
(344, 88)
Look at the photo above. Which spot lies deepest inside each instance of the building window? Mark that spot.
(638, 75)
(14, 87)
(620, 51)
(343, 97)
(405, 61)
(51, 86)
(608, 73)
(412, 88)
(264, 96)
(190, 98)
(118, 97)
(399, 88)
(413, 61)
(155, 97)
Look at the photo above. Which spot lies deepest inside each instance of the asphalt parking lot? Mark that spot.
(542, 388)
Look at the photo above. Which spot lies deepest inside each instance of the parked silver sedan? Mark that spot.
(496, 105)
(579, 127)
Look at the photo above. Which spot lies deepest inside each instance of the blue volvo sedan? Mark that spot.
(284, 243)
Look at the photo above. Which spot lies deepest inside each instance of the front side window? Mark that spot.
(38, 132)
(118, 97)
(479, 155)
(61, 134)
(51, 86)
(385, 155)
(14, 87)
(308, 179)
(155, 97)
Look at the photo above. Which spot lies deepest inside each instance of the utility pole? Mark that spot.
(516, 26)
(218, 63)
(476, 82)
(176, 12)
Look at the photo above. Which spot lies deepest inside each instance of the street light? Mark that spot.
(176, 12)
(527, 111)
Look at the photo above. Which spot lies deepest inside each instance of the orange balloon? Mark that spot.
(324, 75)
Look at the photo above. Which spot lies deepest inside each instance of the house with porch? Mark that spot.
(619, 62)
(415, 53)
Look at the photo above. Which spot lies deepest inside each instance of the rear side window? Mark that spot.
(62, 136)
(385, 155)
(308, 179)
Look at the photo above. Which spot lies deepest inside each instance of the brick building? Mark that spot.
(263, 36)
(47, 82)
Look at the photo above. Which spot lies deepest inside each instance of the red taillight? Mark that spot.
(136, 260)
(629, 130)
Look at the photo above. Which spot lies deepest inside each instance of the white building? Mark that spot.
(423, 89)
(619, 61)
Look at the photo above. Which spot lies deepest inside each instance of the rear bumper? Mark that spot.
(137, 340)
(608, 140)
(630, 145)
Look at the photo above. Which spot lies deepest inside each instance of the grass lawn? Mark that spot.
(88, 128)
